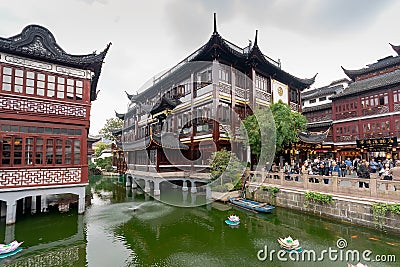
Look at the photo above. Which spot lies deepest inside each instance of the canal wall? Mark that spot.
(343, 208)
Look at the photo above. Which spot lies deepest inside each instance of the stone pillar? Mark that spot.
(128, 180)
(11, 211)
(33, 205)
(43, 204)
(3, 212)
(81, 202)
(10, 234)
(185, 196)
(193, 189)
(134, 184)
(146, 186)
(184, 187)
(157, 191)
(208, 192)
(193, 196)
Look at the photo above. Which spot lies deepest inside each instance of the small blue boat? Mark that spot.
(251, 205)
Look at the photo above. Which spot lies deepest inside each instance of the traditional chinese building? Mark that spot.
(368, 110)
(45, 100)
(191, 108)
(317, 108)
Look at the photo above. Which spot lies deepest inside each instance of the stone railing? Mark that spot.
(377, 188)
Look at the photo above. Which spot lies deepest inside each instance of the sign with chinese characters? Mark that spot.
(376, 144)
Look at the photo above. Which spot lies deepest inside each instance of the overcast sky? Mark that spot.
(308, 36)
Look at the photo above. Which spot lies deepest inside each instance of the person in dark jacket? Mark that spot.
(364, 172)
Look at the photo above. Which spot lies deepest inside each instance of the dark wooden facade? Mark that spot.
(45, 99)
(197, 105)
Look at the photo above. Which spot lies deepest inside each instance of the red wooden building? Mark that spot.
(45, 100)
(368, 110)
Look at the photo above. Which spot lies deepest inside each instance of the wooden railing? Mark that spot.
(349, 186)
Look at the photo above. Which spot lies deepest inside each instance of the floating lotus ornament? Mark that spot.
(289, 244)
(357, 265)
(10, 249)
(233, 220)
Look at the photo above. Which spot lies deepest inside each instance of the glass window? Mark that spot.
(6, 151)
(29, 151)
(39, 151)
(77, 152)
(41, 76)
(7, 70)
(68, 152)
(49, 151)
(59, 154)
(17, 151)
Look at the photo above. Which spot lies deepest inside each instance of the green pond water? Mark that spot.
(125, 227)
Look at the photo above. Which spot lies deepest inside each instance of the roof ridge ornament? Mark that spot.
(396, 48)
(215, 24)
(255, 39)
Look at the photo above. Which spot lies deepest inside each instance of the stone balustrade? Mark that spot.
(371, 188)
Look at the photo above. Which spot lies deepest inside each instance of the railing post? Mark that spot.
(334, 183)
(305, 181)
(372, 186)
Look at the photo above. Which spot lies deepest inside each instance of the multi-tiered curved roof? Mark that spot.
(37, 42)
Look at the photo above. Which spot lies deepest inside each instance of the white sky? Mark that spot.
(308, 36)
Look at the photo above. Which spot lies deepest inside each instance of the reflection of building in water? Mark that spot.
(66, 248)
(195, 108)
(45, 100)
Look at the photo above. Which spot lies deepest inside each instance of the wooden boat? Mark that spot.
(233, 220)
(251, 205)
(289, 244)
(10, 249)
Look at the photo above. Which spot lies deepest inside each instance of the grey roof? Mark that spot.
(317, 107)
(319, 124)
(384, 80)
(380, 64)
(322, 91)
(164, 140)
(313, 138)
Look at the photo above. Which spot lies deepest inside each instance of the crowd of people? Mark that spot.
(386, 169)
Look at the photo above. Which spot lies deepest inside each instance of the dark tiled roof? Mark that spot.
(387, 79)
(165, 140)
(396, 48)
(218, 47)
(318, 125)
(326, 90)
(317, 107)
(164, 103)
(37, 42)
(120, 115)
(313, 138)
(381, 64)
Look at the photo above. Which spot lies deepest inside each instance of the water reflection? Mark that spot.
(125, 227)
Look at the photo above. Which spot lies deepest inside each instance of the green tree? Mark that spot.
(105, 163)
(111, 124)
(226, 170)
(99, 147)
(272, 129)
(288, 123)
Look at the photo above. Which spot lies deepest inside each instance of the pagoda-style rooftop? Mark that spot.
(225, 51)
(37, 42)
